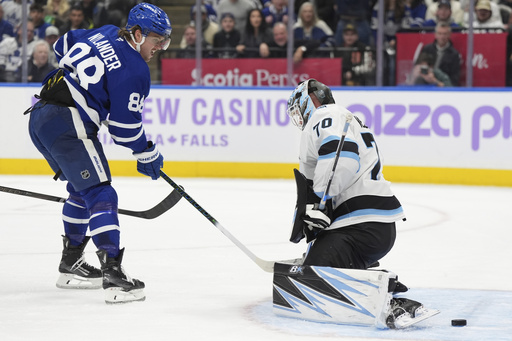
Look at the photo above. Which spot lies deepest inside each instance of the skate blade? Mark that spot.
(71, 281)
(116, 295)
(408, 321)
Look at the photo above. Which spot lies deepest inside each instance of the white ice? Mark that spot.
(453, 251)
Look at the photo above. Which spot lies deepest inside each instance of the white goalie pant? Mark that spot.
(324, 294)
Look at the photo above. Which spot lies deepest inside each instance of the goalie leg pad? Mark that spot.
(326, 294)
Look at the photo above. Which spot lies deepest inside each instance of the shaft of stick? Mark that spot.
(348, 117)
(267, 266)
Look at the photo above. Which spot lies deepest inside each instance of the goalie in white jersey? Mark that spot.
(345, 208)
(357, 226)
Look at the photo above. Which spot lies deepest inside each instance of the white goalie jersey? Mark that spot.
(358, 190)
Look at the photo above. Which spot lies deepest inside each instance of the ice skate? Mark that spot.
(405, 312)
(75, 273)
(118, 286)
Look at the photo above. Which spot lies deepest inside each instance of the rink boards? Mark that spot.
(457, 136)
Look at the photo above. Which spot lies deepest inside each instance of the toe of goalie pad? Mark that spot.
(406, 319)
(115, 295)
(71, 281)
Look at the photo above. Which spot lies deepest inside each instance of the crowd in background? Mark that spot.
(48, 20)
(346, 29)
(258, 29)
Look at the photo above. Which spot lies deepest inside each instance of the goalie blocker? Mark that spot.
(344, 296)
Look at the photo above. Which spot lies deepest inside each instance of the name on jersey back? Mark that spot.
(106, 51)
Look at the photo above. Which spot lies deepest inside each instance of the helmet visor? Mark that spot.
(161, 42)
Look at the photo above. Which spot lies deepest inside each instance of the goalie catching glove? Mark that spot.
(150, 161)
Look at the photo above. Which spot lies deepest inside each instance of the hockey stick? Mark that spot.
(349, 117)
(267, 266)
(171, 200)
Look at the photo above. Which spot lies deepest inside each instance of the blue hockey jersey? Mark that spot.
(109, 81)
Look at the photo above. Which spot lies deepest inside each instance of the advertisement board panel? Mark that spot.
(225, 127)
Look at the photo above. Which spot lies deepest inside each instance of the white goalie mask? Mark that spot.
(300, 104)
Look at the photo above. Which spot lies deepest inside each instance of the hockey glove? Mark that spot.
(150, 161)
(315, 219)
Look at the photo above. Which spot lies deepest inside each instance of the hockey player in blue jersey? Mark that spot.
(103, 78)
(357, 226)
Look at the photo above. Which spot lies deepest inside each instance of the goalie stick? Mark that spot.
(265, 265)
(162, 207)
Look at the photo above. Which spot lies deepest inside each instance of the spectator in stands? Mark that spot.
(457, 12)
(309, 21)
(484, 15)
(443, 14)
(356, 58)
(51, 36)
(310, 27)
(212, 3)
(424, 73)
(75, 21)
(208, 27)
(210, 11)
(446, 57)
(505, 7)
(227, 38)
(39, 65)
(278, 46)
(414, 13)
(325, 9)
(6, 29)
(11, 54)
(239, 9)
(394, 14)
(255, 34)
(189, 51)
(56, 12)
(358, 13)
(12, 11)
(258, 3)
(277, 11)
(37, 17)
(95, 13)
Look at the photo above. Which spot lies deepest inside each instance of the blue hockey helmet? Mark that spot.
(150, 18)
(300, 104)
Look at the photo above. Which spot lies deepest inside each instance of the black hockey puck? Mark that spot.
(459, 322)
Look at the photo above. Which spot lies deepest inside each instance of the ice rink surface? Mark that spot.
(453, 252)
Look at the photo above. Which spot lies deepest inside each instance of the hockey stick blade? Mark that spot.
(265, 265)
(156, 211)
